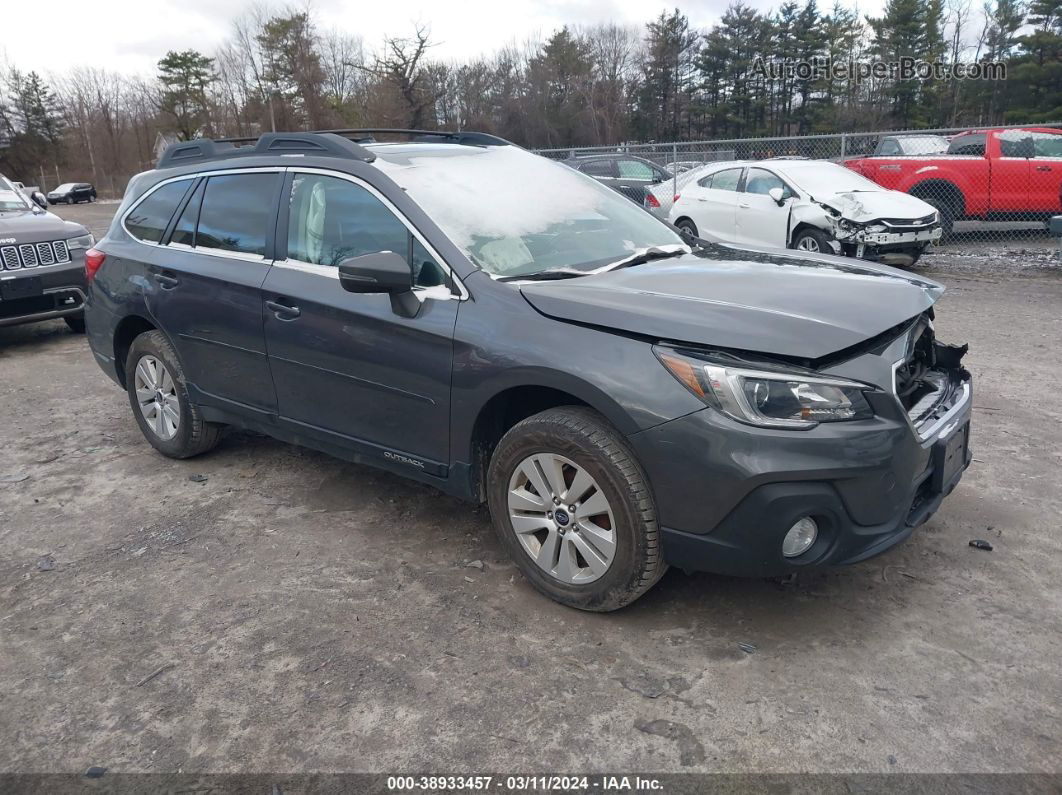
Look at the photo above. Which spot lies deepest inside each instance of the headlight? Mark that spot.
(83, 241)
(767, 398)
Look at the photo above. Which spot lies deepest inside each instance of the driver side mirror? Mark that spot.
(381, 272)
(39, 199)
(777, 194)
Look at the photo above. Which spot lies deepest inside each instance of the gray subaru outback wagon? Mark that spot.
(468, 314)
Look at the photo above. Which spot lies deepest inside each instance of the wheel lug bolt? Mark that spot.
(571, 509)
(549, 515)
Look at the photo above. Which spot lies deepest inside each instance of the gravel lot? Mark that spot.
(312, 615)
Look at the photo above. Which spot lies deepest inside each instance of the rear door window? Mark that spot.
(148, 220)
(968, 145)
(237, 213)
(184, 230)
(599, 168)
(722, 180)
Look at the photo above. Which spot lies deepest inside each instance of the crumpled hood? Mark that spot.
(864, 206)
(35, 227)
(742, 299)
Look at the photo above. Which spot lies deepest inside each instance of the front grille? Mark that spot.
(9, 255)
(31, 255)
(907, 224)
(45, 255)
(912, 383)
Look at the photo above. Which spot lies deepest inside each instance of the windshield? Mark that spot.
(514, 213)
(826, 179)
(10, 197)
(66, 187)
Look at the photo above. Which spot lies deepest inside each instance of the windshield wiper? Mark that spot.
(647, 255)
(551, 274)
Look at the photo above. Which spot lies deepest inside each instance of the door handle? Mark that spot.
(283, 311)
(1043, 168)
(166, 281)
(744, 206)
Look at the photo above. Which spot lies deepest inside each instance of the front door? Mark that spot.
(205, 286)
(635, 177)
(348, 368)
(760, 220)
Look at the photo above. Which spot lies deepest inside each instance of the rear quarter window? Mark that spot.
(147, 221)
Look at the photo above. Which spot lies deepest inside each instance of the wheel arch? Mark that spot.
(942, 189)
(128, 329)
(515, 402)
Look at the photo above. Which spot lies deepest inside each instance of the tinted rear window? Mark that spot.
(149, 219)
(237, 213)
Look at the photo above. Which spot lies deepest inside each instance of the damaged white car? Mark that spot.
(811, 205)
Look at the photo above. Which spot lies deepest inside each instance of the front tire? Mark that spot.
(158, 395)
(812, 241)
(572, 507)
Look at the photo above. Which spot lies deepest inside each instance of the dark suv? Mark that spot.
(473, 316)
(42, 262)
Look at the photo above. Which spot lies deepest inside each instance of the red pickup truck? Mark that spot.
(1008, 174)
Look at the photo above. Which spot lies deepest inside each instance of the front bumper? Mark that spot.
(727, 493)
(29, 295)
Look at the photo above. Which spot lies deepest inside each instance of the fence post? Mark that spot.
(844, 141)
(674, 172)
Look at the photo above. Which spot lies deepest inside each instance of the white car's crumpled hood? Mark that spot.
(864, 206)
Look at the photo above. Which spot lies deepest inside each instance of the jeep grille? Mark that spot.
(30, 255)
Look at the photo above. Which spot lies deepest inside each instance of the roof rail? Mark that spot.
(323, 144)
(367, 134)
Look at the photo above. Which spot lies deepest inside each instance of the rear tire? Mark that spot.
(158, 395)
(609, 517)
(687, 226)
(76, 323)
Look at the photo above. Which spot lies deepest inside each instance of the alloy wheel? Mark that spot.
(156, 394)
(808, 243)
(562, 518)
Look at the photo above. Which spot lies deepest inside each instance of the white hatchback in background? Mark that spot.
(811, 205)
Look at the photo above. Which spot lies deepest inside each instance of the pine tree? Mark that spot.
(185, 78)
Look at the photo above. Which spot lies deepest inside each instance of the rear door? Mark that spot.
(759, 220)
(348, 368)
(712, 204)
(1009, 152)
(603, 170)
(204, 287)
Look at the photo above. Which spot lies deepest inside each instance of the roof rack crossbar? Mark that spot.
(458, 137)
(321, 144)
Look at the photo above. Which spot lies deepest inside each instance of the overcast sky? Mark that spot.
(126, 36)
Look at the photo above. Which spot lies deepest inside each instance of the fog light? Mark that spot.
(800, 537)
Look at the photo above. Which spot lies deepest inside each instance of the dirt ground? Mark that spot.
(303, 614)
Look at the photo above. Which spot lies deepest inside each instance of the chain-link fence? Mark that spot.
(822, 192)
